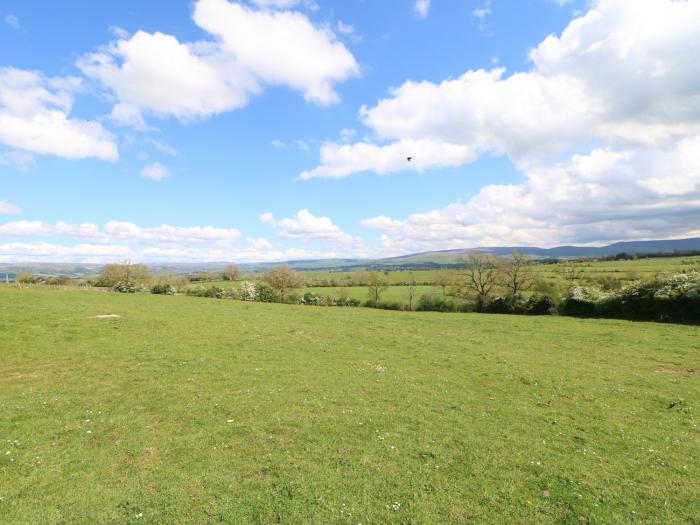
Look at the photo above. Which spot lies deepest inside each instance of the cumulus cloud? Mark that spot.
(119, 240)
(341, 160)
(286, 4)
(34, 118)
(307, 227)
(604, 126)
(155, 73)
(421, 7)
(155, 171)
(282, 48)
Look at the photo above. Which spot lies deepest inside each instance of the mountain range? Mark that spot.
(431, 259)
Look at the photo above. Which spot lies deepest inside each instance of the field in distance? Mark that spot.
(336, 283)
(184, 410)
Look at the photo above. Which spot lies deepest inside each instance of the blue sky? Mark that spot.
(277, 129)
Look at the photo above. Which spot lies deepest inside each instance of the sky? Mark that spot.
(268, 130)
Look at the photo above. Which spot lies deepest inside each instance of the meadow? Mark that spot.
(549, 277)
(187, 410)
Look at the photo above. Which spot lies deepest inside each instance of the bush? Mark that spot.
(675, 299)
(199, 291)
(214, 292)
(162, 289)
(435, 303)
(232, 293)
(540, 305)
(265, 293)
(126, 287)
(248, 291)
(385, 305)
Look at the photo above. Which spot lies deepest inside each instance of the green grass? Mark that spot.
(191, 410)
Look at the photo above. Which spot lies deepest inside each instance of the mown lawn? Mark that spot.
(192, 410)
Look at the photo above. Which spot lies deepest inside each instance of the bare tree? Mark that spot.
(411, 290)
(376, 282)
(481, 274)
(232, 273)
(282, 279)
(443, 279)
(517, 274)
(571, 271)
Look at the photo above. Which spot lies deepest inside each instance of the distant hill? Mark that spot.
(433, 259)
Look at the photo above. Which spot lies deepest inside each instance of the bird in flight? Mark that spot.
(409, 159)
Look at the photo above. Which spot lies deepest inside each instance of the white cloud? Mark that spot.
(44, 251)
(422, 7)
(278, 144)
(381, 222)
(260, 243)
(307, 227)
(602, 196)
(341, 160)
(21, 160)
(155, 171)
(118, 240)
(302, 145)
(267, 217)
(483, 11)
(604, 127)
(34, 117)
(115, 231)
(8, 207)
(155, 73)
(13, 21)
(158, 74)
(282, 48)
(286, 4)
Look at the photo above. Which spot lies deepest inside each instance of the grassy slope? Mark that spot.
(336, 414)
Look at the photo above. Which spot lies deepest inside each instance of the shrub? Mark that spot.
(248, 291)
(581, 301)
(214, 292)
(162, 289)
(199, 291)
(675, 298)
(540, 305)
(265, 293)
(232, 293)
(501, 305)
(385, 305)
(126, 287)
(435, 303)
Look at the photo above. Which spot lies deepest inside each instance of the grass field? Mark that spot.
(190, 410)
(624, 271)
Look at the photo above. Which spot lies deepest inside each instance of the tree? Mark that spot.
(127, 272)
(481, 273)
(443, 279)
(232, 273)
(376, 283)
(282, 279)
(411, 290)
(571, 271)
(517, 274)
